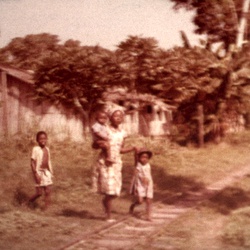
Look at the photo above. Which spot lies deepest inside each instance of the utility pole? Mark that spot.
(242, 24)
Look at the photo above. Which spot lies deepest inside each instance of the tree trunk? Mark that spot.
(85, 116)
(200, 125)
(185, 40)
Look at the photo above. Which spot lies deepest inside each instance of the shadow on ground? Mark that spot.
(84, 214)
(228, 199)
(166, 186)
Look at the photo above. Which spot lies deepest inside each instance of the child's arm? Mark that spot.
(136, 155)
(127, 149)
(34, 171)
(49, 162)
(101, 135)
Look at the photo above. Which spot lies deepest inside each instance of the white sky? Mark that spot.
(103, 22)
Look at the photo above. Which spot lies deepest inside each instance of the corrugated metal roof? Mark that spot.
(18, 73)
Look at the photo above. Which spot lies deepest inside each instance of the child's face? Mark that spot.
(102, 118)
(42, 140)
(144, 158)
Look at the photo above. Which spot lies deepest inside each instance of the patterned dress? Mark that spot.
(142, 182)
(109, 178)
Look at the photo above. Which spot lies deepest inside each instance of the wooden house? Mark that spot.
(20, 113)
(146, 114)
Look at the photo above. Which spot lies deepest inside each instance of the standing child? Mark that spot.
(100, 135)
(142, 182)
(41, 168)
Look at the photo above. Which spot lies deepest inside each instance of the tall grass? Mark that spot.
(174, 167)
(175, 170)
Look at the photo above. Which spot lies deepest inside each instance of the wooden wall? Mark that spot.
(20, 113)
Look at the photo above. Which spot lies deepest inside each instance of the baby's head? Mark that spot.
(101, 117)
(144, 156)
(41, 138)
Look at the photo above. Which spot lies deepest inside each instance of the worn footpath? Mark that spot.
(130, 231)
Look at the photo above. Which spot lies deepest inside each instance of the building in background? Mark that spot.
(146, 115)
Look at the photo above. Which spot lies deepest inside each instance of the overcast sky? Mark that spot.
(103, 22)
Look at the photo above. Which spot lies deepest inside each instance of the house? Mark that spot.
(19, 112)
(146, 114)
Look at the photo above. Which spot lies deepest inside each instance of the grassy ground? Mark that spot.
(75, 209)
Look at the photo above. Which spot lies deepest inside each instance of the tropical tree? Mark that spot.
(218, 19)
(72, 76)
(190, 82)
(27, 52)
(222, 22)
(140, 63)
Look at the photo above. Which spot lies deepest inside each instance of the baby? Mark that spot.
(100, 135)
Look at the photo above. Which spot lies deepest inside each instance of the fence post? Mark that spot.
(200, 125)
(3, 83)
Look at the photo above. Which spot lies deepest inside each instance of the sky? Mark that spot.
(96, 22)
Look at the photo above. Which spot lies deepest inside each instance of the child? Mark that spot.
(142, 182)
(41, 168)
(100, 135)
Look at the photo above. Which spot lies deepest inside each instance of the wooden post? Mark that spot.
(242, 24)
(200, 125)
(3, 83)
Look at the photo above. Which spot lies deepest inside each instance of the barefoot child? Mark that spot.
(100, 135)
(142, 182)
(41, 168)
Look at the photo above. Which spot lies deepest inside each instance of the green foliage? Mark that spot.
(216, 18)
(192, 77)
(141, 59)
(184, 77)
(187, 73)
(29, 51)
(72, 76)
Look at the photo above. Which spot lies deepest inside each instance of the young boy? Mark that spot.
(100, 135)
(41, 168)
(142, 182)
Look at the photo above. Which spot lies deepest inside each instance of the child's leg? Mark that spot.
(36, 195)
(105, 145)
(47, 191)
(149, 208)
(138, 201)
(107, 203)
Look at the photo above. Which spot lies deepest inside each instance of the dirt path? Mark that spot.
(129, 232)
